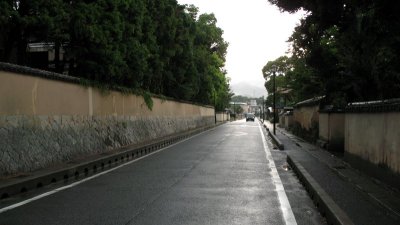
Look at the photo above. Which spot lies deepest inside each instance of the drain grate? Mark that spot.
(339, 167)
(22, 175)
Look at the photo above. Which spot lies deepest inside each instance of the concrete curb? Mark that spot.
(275, 139)
(328, 208)
(87, 168)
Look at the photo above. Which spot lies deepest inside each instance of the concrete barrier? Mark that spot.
(328, 208)
(275, 139)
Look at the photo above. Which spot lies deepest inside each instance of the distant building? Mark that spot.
(42, 56)
(243, 105)
(253, 107)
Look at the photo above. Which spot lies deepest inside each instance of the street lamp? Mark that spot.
(263, 112)
(234, 111)
(274, 88)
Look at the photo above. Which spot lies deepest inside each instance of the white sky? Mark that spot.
(256, 32)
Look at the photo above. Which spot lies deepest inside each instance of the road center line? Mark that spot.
(287, 212)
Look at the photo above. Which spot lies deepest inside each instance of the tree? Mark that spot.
(96, 34)
(237, 109)
(8, 28)
(294, 80)
(352, 47)
(151, 46)
(133, 43)
(22, 22)
(240, 98)
(209, 51)
(182, 66)
(278, 68)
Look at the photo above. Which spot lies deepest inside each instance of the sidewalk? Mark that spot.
(343, 195)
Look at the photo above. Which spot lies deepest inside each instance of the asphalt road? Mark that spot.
(222, 176)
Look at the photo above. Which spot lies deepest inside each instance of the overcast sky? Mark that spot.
(256, 31)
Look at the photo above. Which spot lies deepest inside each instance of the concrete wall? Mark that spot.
(306, 116)
(288, 121)
(44, 122)
(281, 121)
(221, 117)
(324, 126)
(374, 137)
(331, 130)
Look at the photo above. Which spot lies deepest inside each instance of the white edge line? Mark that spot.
(287, 212)
(13, 206)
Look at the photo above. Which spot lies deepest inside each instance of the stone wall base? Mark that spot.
(28, 143)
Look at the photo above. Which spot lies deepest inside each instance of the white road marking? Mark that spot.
(287, 212)
(10, 207)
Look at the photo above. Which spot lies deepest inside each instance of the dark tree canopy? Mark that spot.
(352, 48)
(157, 46)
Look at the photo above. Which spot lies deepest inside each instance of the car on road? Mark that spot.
(250, 116)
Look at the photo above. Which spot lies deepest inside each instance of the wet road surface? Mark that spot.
(222, 176)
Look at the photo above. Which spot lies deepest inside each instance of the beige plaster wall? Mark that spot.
(288, 121)
(306, 116)
(281, 121)
(221, 117)
(324, 126)
(374, 137)
(44, 122)
(29, 95)
(331, 129)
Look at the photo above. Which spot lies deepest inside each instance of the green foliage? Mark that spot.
(293, 81)
(348, 49)
(237, 109)
(96, 31)
(152, 46)
(30, 21)
(240, 98)
(147, 99)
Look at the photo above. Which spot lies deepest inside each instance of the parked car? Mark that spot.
(250, 116)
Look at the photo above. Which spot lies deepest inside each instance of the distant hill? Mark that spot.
(249, 90)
